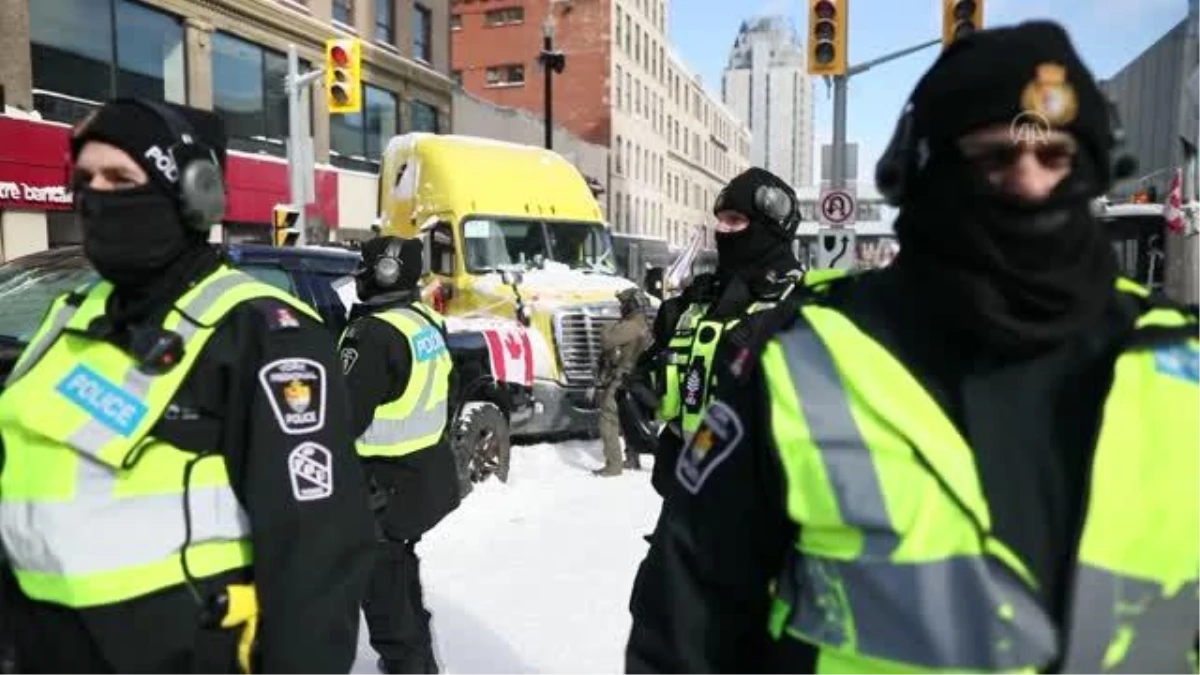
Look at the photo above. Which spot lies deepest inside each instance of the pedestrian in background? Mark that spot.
(621, 344)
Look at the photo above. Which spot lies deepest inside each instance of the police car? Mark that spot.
(483, 407)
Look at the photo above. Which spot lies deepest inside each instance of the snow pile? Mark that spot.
(534, 575)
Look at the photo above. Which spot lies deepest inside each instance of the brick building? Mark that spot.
(64, 56)
(672, 144)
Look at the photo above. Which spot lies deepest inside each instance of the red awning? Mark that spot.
(34, 176)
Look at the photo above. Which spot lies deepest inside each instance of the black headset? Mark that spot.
(201, 184)
(775, 203)
(903, 157)
(388, 266)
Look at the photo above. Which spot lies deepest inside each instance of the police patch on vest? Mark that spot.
(311, 469)
(1180, 361)
(693, 387)
(716, 439)
(349, 358)
(428, 344)
(104, 401)
(296, 390)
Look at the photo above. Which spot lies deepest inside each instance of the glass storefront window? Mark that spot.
(424, 117)
(84, 52)
(237, 68)
(248, 92)
(150, 54)
(382, 114)
(360, 145)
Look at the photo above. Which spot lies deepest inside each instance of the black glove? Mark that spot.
(637, 419)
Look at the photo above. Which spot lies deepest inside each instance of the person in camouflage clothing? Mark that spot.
(621, 345)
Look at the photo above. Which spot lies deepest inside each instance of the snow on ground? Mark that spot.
(534, 575)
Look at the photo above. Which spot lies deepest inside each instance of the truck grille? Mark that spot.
(578, 336)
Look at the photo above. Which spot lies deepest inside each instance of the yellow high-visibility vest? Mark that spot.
(896, 567)
(418, 418)
(91, 503)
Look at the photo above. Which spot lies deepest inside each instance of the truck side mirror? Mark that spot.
(426, 253)
(654, 282)
(439, 249)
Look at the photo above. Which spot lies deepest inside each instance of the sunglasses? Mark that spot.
(1002, 155)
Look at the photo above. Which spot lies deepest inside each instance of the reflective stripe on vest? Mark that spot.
(703, 353)
(678, 348)
(109, 527)
(896, 568)
(417, 419)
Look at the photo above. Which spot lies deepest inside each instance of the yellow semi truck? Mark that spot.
(512, 233)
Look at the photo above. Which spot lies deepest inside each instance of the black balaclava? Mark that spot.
(766, 245)
(411, 259)
(135, 237)
(1018, 276)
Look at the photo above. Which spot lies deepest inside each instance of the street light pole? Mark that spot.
(548, 73)
(552, 62)
(838, 160)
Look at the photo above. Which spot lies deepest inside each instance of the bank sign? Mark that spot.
(21, 195)
(33, 166)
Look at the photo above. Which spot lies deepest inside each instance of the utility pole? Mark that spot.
(552, 62)
(301, 163)
(838, 158)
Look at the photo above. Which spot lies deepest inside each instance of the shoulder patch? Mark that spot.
(278, 315)
(296, 391)
(310, 467)
(713, 442)
(349, 358)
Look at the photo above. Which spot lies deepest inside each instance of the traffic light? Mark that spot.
(960, 18)
(827, 36)
(343, 75)
(283, 220)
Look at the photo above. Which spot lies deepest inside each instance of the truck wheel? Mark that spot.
(481, 444)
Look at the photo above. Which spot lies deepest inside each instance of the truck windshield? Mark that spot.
(498, 243)
(26, 292)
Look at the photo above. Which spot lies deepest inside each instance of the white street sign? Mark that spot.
(837, 207)
(836, 248)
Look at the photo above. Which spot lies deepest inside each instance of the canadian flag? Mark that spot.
(511, 355)
(1173, 209)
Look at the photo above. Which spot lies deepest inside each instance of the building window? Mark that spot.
(343, 12)
(422, 28)
(457, 76)
(617, 95)
(385, 21)
(248, 92)
(96, 50)
(424, 117)
(620, 159)
(359, 138)
(456, 22)
(504, 17)
(501, 76)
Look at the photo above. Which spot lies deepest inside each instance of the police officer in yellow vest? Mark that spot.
(757, 216)
(179, 491)
(981, 459)
(398, 370)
